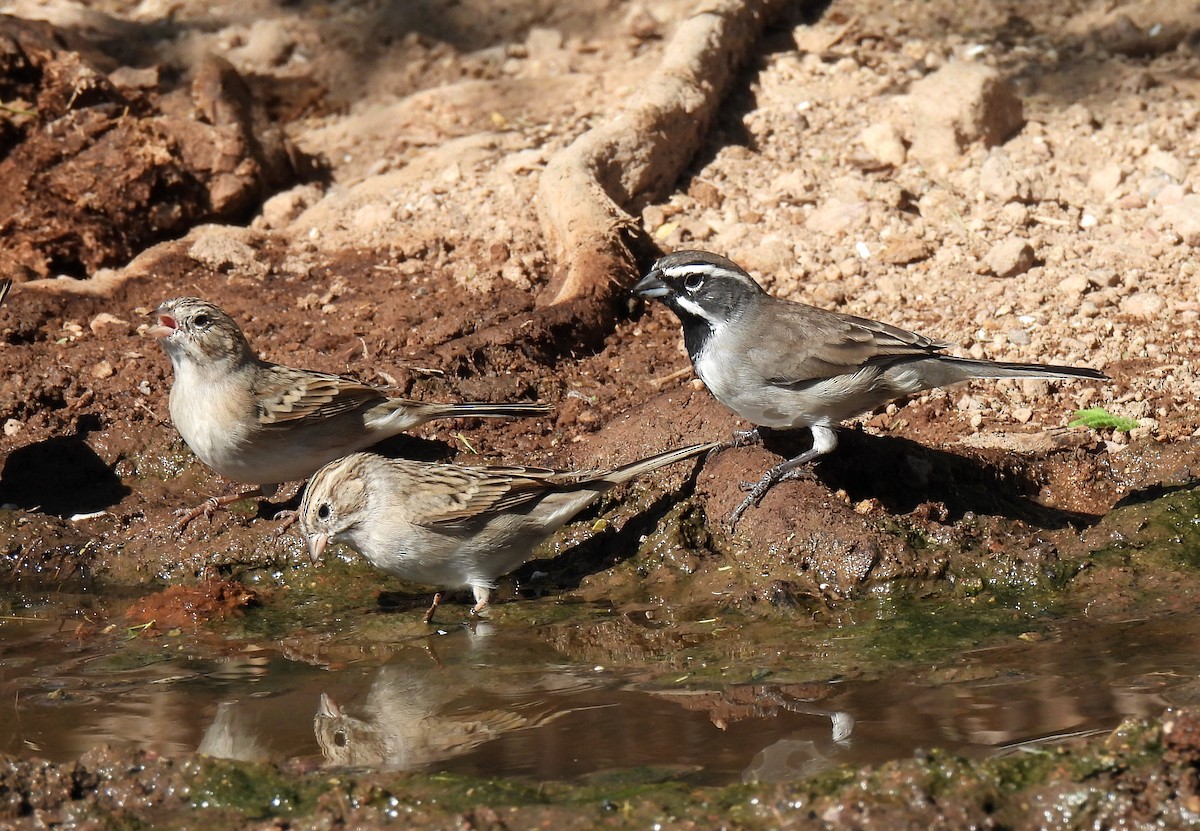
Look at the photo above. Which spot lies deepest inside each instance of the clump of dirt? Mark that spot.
(189, 607)
(99, 165)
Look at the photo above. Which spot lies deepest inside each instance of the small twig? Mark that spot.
(17, 110)
(674, 376)
(146, 407)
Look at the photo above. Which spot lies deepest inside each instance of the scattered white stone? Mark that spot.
(1022, 415)
(104, 369)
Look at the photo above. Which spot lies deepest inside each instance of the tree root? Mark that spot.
(588, 189)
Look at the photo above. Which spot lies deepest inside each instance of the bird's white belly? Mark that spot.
(752, 396)
(215, 425)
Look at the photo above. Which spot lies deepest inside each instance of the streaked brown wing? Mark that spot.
(813, 344)
(289, 397)
(445, 494)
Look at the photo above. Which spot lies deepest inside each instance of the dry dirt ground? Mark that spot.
(1018, 178)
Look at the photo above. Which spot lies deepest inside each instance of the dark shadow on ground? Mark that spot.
(903, 475)
(62, 476)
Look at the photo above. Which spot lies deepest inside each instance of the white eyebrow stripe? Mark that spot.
(706, 269)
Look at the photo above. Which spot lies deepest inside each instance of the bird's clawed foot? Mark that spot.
(205, 509)
(437, 601)
(757, 490)
(287, 520)
(791, 469)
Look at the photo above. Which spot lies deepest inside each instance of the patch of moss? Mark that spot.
(254, 791)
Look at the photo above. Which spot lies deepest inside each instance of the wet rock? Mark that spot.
(188, 607)
(1010, 258)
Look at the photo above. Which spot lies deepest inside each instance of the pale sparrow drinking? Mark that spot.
(786, 365)
(448, 525)
(261, 423)
(416, 715)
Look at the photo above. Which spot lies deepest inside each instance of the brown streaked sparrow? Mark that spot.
(786, 365)
(448, 525)
(261, 423)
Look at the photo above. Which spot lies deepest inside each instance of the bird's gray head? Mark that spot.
(335, 504)
(701, 288)
(705, 291)
(195, 330)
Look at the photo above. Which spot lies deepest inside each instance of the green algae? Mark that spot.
(254, 792)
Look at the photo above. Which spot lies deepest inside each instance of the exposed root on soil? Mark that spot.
(588, 189)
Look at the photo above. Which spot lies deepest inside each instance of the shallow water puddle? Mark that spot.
(496, 700)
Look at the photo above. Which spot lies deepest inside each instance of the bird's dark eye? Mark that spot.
(339, 738)
(201, 320)
(693, 282)
(323, 511)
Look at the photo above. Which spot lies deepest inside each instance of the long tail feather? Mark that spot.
(1002, 369)
(634, 469)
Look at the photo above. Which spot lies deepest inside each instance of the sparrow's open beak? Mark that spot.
(316, 546)
(165, 327)
(651, 286)
(328, 708)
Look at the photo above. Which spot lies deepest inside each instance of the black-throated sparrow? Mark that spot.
(786, 365)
